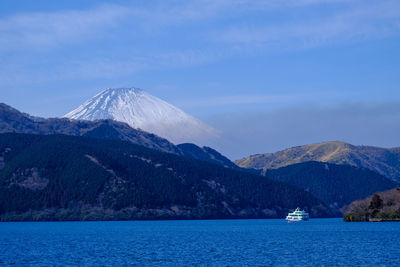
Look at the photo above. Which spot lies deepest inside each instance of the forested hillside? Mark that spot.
(336, 185)
(58, 177)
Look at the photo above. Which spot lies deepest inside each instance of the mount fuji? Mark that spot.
(142, 110)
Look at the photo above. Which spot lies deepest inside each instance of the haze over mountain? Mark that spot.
(141, 110)
(12, 120)
(385, 161)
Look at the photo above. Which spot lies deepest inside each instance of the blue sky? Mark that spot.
(267, 74)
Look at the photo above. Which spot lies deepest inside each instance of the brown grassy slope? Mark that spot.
(385, 161)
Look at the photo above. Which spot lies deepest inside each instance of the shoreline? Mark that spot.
(172, 219)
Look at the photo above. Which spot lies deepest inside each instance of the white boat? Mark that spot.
(297, 215)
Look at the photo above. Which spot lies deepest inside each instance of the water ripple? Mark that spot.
(319, 242)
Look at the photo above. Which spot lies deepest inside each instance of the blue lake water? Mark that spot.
(318, 242)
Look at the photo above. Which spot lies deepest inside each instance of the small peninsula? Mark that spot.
(383, 206)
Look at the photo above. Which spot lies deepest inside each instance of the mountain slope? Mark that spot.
(336, 185)
(12, 120)
(58, 177)
(206, 154)
(142, 110)
(385, 161)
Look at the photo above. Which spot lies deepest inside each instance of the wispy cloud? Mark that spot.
(109, 67)
(248, 99)
(62, 27)
(104, 67)
(240, 100)
(355, 19)
(128, 39)
(357, 22)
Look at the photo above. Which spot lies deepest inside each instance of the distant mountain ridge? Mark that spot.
(12, 120)
(385, 161)
(142, 110)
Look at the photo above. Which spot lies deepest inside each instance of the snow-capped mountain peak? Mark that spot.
(142, 110)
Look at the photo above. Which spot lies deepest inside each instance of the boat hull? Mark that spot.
(296, 220)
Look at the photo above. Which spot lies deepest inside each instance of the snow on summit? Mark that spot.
(141, 110)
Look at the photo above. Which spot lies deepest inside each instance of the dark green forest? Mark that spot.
(59, 177)
(335, 185)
